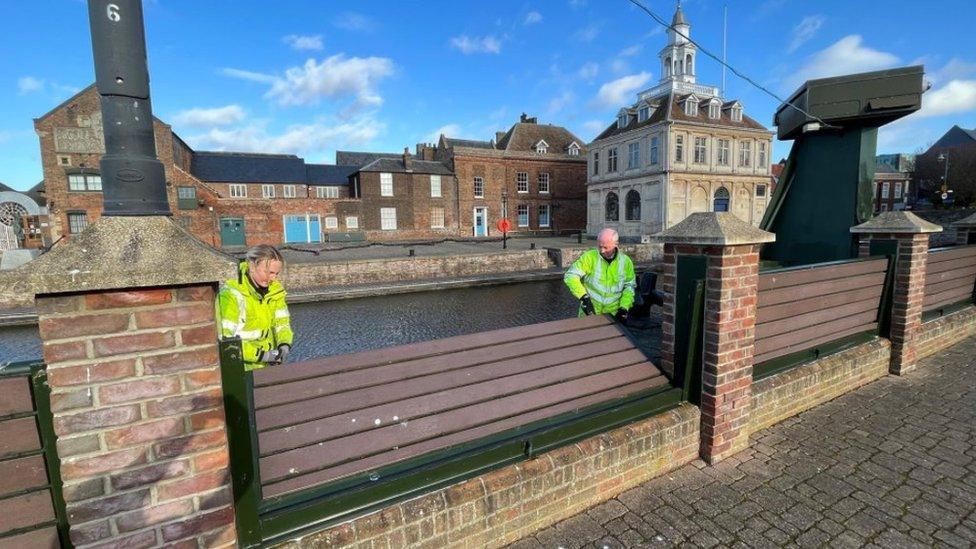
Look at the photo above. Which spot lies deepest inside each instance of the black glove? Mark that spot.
(269, 357)
(283, 351)
(587, 305)
(621, 315)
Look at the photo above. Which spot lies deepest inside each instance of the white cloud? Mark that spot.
(472, 44)
(249, 75)
(845, 56)
(560, 102)
(594, 126)
(353, 21)
(631, 51)
(957, 96)
(955, 69)
(618, 92)
(448, 130)
(296, 139)
(619, 66)
(303, 42)
(587, 33)
(805, 30)
(532, 18)
(29, 84)
(588, 71)
(576, 4)
(218, 116)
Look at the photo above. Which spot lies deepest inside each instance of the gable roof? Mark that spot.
(955, 137)
(523, 136)
(235, 167)
(68, 100)
(395, 165)
(725, 118)
(328, 174)
(360, 159)
(658, 113)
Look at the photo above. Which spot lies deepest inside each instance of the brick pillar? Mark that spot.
(731, 250)
(126, 318)
(912, 235)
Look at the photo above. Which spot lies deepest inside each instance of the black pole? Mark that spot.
(133, 180)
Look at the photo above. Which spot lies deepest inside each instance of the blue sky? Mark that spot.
(310, 77)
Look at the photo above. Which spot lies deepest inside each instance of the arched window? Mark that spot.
(721, 203)
(633, 206)
(667, 66)
(689, 65)
(612, 207)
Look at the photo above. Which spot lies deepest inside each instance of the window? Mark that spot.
(544, 215)
(77, 222)
(745, 154)
(479, 187)
(542, 147)
(326, 192)
(523, 215)
(544, 183)
(574, 149)
(633, 206)
(238, 190)
(679, 148)
(761, 164)
(721, 200)
(884, 189)
(288, 191)
(388, 219)
(760, 191)
(898, 189)
(596, 163)
(522, 182)
(267, 191)
(386, 185)
(723, 152)
(612, 208)
(643, 113)
(352, 222)
(331, 222)
(186, 198)
(737, 114)
(691, 108)
(653, 154)
(612, 160)
(64, 160)
(84, 182)
(700, 144)
(435, 186)
(437, 217)
(633, 156)
(714, 109)
(622, 121)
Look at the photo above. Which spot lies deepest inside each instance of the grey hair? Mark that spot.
(263, 252)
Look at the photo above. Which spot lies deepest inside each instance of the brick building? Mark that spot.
(890, 188)
(533, 174)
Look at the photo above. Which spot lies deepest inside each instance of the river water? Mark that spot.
(345, 326)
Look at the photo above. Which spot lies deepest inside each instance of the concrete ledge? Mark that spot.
(786, 394)
(638, 253)
(507, 504)
(946, 331)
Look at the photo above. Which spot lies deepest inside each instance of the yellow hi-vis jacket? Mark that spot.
(262, 323)
(610, 284)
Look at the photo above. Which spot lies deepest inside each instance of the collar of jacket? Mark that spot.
(243, 283)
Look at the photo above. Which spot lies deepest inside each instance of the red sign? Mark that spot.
(504, 225)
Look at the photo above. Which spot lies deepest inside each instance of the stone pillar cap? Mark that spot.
(897, 222)
(965, 222)
(714, 229)
(123, 252)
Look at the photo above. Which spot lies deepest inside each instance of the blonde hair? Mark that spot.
(263, 252)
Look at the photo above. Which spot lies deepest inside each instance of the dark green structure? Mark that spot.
(827, 184)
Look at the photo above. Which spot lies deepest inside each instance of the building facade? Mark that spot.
(891, 189)
(534, 175)
(680, 149)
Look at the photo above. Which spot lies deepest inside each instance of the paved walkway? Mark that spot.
(892, 464)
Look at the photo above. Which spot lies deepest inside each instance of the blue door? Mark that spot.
(314, 229)
(296, 229)
(481, 221)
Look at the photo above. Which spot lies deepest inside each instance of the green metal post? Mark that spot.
(689, 275)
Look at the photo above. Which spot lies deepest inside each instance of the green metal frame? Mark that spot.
(276, 519)
(787, 362)
(689, 303)
(36, 373)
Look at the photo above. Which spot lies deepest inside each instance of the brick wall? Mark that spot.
(507, 504)
(311, 275)
(946, 331)
(786, 394)
(412, 200)
(139, 416)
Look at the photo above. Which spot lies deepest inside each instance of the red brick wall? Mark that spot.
(412, 200)
(138, 412)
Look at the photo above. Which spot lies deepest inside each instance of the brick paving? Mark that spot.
(892, 464)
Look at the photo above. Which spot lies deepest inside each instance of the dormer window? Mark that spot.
(737, 114)
(541, 147)
(573, 149)
(691, 106)
(643, 113)
(622, 120)
(714, 110)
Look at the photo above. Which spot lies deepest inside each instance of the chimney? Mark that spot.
(499, 136)
(407, 161)
(526, 119)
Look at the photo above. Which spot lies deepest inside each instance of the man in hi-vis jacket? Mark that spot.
(603, 279)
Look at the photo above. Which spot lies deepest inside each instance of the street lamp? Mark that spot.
(945, 175)
(504, 222)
